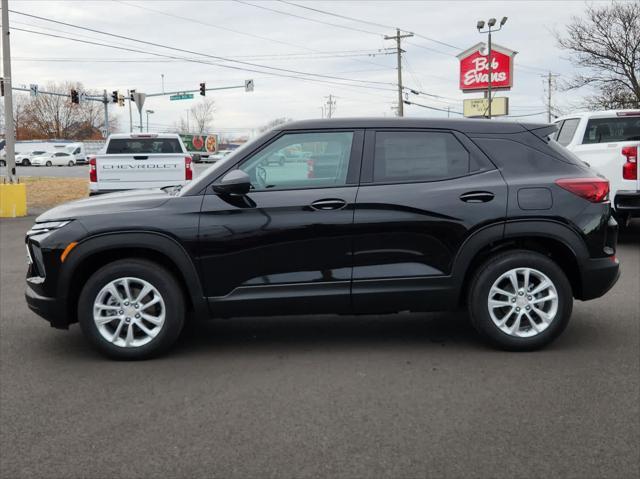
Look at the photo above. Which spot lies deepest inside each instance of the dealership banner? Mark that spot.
(474, 68)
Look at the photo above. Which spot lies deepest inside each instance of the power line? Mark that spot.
(215, 57)
(201, 61)
(407, 102)
(368, 23)
(308, 19)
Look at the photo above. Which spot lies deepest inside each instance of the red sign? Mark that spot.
(474, 69)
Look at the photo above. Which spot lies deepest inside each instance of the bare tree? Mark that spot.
(273, 123)
(606, 47)
(202, 113)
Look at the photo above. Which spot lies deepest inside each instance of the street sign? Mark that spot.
(474, 68)
(248, 85)
(479, 107)
(139, 99)
(33, 88)
(182, 96)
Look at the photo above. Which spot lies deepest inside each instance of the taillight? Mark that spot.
(93, 172)
(595, 190)
(188, 171)
(310, 168)
(630, 167)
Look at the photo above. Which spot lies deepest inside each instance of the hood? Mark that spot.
(111, 203)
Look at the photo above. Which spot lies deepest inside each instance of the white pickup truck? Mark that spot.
(135, 161)
(608, 141)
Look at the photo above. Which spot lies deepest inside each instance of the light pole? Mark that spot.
(187, 120)
(148, 112)
(490, 24)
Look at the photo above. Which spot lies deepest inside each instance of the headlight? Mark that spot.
(47, 226)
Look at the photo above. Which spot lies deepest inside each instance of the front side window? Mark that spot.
(323, 161)
(610, 130)
(418, 156)
(569, 127)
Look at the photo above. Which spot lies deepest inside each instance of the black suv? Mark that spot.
(379, 216)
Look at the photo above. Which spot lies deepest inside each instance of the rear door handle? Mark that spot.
(477, 196)
(328, 204)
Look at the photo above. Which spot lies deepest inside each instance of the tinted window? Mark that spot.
(608, 130)
(418, 156)
(568, 129)
(325, 161)
(143, 145)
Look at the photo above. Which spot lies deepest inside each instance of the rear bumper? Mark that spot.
(47, 308)
(627, 202)
(598, 276)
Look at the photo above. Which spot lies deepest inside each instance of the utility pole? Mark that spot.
(187, 121)
(331, 103)
(397, 37)
(550, 78)
(10, 132)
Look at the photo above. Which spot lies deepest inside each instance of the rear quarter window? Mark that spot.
(143, 145)
(567, 131)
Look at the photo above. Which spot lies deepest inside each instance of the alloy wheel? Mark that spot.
(129, 312)
(523, 302)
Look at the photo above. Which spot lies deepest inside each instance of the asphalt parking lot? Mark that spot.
(376, 396)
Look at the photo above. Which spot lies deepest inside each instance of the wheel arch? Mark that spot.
(94, 252)
(553, 239)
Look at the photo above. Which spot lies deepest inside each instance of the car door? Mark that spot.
(286, 246)
(422, 194)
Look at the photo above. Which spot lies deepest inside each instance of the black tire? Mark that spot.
(48, 163)
(3, 163)
(157, 276)
(489, 272)
(26, 162)
(70, 163)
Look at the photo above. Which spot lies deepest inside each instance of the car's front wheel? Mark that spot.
(26, 162)
(70, 163)
(520, 300)
(48, 163)
(131, 309)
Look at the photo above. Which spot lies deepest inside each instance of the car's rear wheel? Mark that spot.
(70, 163)
(520, 300)
(26, 162)
(3, 163)
(48, 163)
(131, 309)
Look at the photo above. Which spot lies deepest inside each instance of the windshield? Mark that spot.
(205, 177)
(611, 130)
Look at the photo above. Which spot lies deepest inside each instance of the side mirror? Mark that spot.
(236, 182)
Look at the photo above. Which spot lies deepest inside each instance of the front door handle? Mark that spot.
(328, 204)
(477, 196)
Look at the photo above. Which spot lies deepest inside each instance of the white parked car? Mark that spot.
(608, 141)
(58, 158)
(24, 159)
(217, 156)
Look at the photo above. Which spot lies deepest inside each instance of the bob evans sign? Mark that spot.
(474, 68)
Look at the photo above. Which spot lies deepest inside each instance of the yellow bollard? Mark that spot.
(13, 200)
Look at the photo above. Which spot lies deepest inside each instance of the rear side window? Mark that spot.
(418, 156)
(143, 145)
(611, 130)
(567, 131)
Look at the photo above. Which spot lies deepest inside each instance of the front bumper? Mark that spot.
(627, 202)
(47, 308)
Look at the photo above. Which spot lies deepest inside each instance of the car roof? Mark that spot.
(144, 135)
(597, 114)
(462, 125)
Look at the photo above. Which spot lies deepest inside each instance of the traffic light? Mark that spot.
(203, 89)
(75, 98)
(114, 96)
(1, 86)
(131, 93)
(120, 100)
